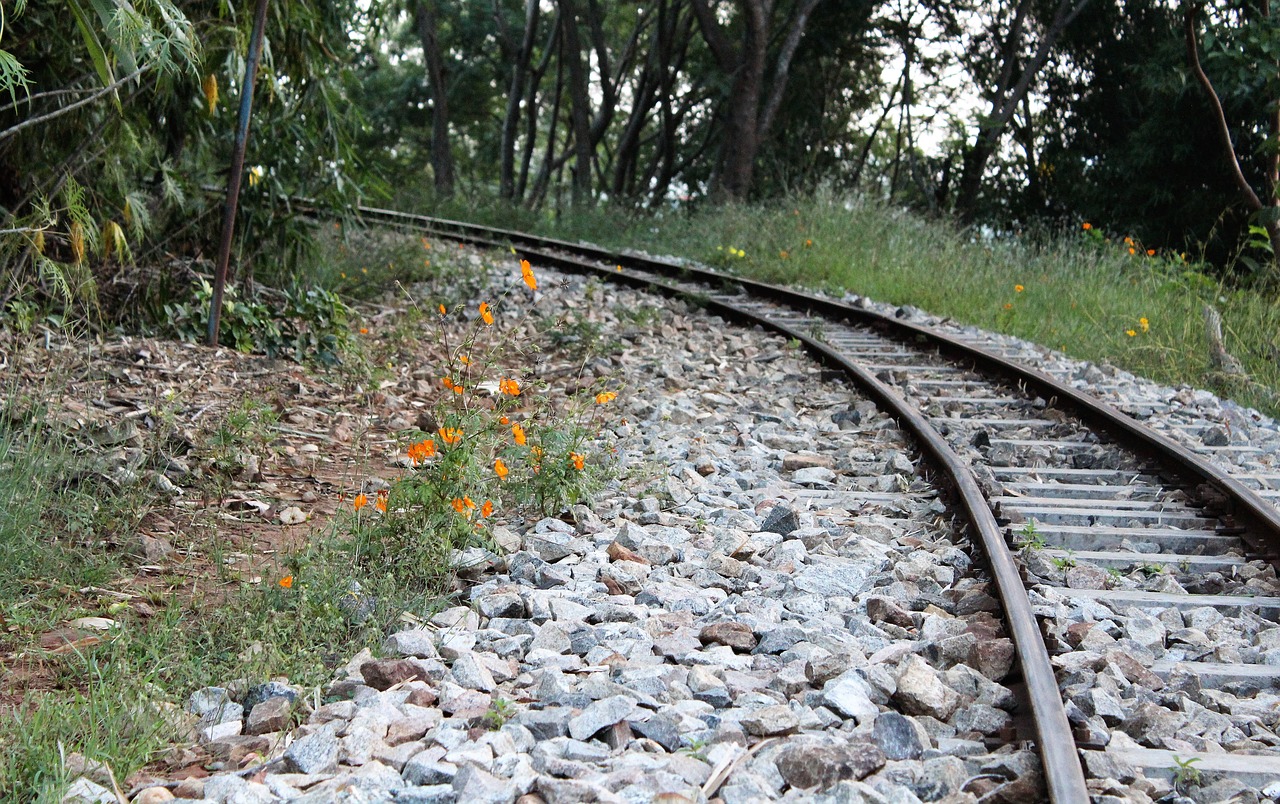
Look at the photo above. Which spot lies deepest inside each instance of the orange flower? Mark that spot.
(443, 311)
(485, 314)
(783, 254)
(526, 271)
(1008, 306)
(381, 503)
(518, 432)
(1086, 226)
(450, 435)
(1018, 288)
(361, 501)
(426, 243)
(464, 360)
(487, 508)
(458, 504)
(503, 420)
(1151, 252)
(286, 582)
(579, 460)
(808, 244)
(509, 387)
(1132, 250)
(364, 330)
(500, 469)
(422, 450)
(605, 397)
(447, 382)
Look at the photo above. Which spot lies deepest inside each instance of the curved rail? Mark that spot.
(1062, 768)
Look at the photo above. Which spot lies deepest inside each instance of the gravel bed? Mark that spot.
(771, 604)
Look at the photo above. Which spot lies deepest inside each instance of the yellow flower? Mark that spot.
(450, 435)
(361, 501)
(485, 315)
(579, 460)
(1018, 288)
(509, 387)
(605, 398)
(1144, 325)
(500, 469)
(255, 176)
(1130, 332)
(526, 271)
(518, 432)
(210, 87)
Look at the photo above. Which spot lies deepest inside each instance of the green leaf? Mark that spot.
(96, 52)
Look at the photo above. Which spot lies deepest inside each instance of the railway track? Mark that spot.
(1137, 577)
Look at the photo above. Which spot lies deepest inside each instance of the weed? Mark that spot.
(1186, 775)
(500, 711)
(1151, 570)
(1030, 538)
(1065, 562)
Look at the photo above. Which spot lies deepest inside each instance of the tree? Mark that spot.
(424, 21)
(752, 101)
(1005, 82)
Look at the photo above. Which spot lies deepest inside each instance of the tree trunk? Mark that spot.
(579, 102)
(424, 17)
(511, 120)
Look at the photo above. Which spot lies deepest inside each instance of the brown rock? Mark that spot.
(993, 658)
(153, 795)
(268, 716)
(807, 460)
(735, 635)
(1076, 632)
(192, 787)
(382, 674)
(1133, 670)
(619, 553)
(884, 610)
(235, 749)
(420, 694)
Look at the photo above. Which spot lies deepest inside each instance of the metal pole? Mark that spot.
(237, 170)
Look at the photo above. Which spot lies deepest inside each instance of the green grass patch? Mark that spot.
(1082, 292)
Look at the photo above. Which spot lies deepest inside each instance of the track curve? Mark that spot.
(993, 503)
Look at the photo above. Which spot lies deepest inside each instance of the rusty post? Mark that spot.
(237, 170)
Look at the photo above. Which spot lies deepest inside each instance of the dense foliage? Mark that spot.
(116, 118)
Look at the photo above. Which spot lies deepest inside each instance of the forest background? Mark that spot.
(1150, 125)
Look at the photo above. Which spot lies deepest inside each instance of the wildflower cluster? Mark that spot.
(496, 442)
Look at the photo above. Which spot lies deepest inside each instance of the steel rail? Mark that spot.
(1064, 776)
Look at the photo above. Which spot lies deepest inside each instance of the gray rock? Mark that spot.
(428, 769)
(782, 519)
(921, 692)
(315, 753)
(472, 674)
(662, 729)
(601, 715)
(83, 791)
(415, 642)
(770, 721)
(272, 689)
(473, 784)
(546, 724)
(896, 736)
(430, 794)
(850, 695)
(812, 763)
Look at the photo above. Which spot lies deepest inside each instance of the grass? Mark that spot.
(116, 701)
(1082, 291)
